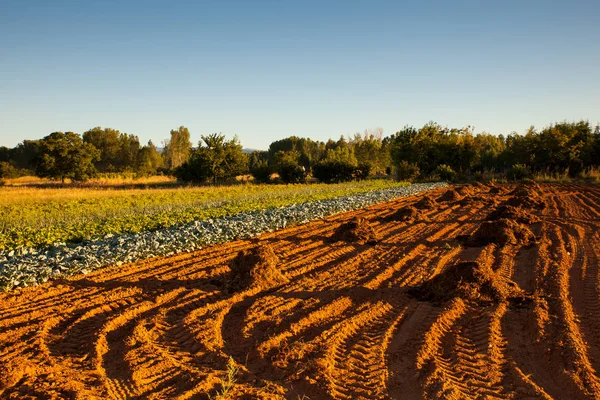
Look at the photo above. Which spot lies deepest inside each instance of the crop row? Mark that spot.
(41, 217)
(28, 266)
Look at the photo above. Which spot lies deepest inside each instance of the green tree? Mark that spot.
(65, 155)
(106, 140)
(214, 159)
(177, 149)
(288, 167)
(148, 160)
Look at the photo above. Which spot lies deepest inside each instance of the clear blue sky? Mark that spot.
(268, 69)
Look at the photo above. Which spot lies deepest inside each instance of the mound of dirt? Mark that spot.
(501, 232)
(256, 267)
(450, 195)
(527, 189)
(472, 200)
(425, 203)
(515, 213)
(532, 201)
(470, 281)
(466, 190)
(356, 231)
(408, 214)
(495, 190)
(481, 186)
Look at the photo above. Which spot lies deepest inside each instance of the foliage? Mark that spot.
(177, 148)
(362, 171)
(9, 171)
(149, 160)
(118, 151)
(307, 150)
(445, 172)
(518, 172)
(214, 160)
(406, 171)
(261, 171)
(65, 155)
(288, 167)
(334, 171)
(227, 383)
(38, 217)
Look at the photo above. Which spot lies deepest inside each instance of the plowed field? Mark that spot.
(387, 317)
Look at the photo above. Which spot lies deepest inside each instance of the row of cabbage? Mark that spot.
(27, 266)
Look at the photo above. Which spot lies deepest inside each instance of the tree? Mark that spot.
(118, 151)
(148, 160)
(177, 149)
(214, 159)
(288, 167)
(106, 140)
(65, 155)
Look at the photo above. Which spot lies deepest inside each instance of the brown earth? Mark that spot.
(417, 315)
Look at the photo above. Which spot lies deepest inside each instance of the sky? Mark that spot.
(268, 69)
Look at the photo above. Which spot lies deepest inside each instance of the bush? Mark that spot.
(9, 171)
(407, 171)
(362, 171)
(261, 172)
(333, 171)
(518, 172)
(291, 172)
(445, 172)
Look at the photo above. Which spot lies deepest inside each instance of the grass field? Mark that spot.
(36, 217)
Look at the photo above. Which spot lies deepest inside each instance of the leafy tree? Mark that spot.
(65, 155)
(308, 150)
(214, 159)
(148, 160)
(106, 140)
(288, 167)
(406, 171)
(334, 171)
(118, 151)
(25, 155)
(7, 170)
(518, 172)
(178, 148)
(258, 164)
(445, 172)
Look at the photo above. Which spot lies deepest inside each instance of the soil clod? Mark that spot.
(469, 281)
(256, 267)
(450, 195)
(356, 231)
(408, 214)
(501, 232)
(425, 203)
(515, 213)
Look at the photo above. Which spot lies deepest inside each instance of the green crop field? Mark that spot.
(36, 217)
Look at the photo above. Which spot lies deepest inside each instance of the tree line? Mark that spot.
(429, 152)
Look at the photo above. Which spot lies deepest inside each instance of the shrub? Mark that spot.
(333, 171)
(445, 172)
(407, 171)
(261, 172)
(9, 171)
(518, 172)
(362, 171)
(291, 172)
